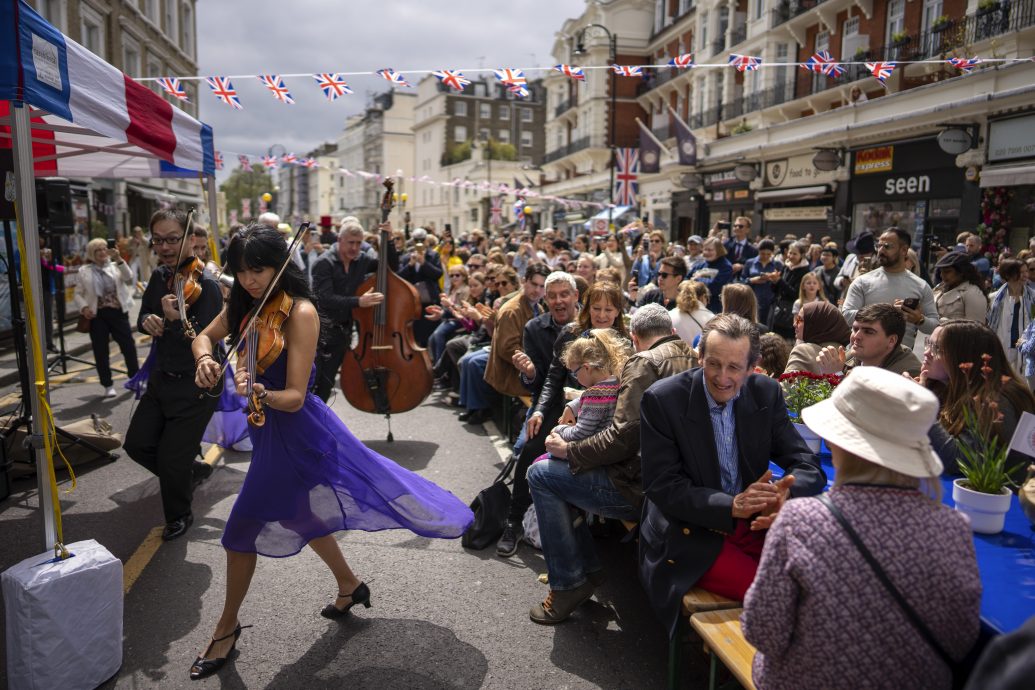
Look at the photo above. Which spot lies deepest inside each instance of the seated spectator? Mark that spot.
(708, 436)
(715, 272)
(739, 299)
(689, 316)
(601, 473)
(817, 326)
(877, 333)
(959, 294)
(1012, 308)
(774, 353)
(959, 343)
(757, 272)
(670, 275)
(817, 612)
(809, 290)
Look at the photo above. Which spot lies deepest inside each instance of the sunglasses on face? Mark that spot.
(665, 275)
(456, 275)
(739, 225)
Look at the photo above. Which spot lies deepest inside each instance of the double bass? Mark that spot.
(386, 371)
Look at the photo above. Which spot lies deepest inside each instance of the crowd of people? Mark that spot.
(651, 368)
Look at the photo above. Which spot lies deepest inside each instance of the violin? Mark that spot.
(185, 281)
(263, 344)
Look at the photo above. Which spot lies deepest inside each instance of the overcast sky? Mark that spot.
(246, 37)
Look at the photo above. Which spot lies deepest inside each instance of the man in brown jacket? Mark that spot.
(602, 473)
(500, 373)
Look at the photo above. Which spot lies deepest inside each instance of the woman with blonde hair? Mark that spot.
(809, 290)
(689, 315)
(104, 295)
(716, 271)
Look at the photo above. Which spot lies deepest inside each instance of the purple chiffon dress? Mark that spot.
(310, 477)
(229, 424)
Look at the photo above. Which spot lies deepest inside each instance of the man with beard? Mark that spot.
(893, 283)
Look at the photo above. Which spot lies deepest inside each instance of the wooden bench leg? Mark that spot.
(675, 661)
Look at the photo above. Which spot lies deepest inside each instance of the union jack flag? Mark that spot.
(881, 70)
(269, 161)
(745, 63)
(627, 167)
(518, 90)
(497, 211)
(224, 91)
(171, 85)
(824, 63)
(627, 70)
(333, 85)
(289, 158)
(572, 71)
(510, 77)
(219, 160)
(684, 61)
(277, 87)
(311, 163)
(965, 65)
(453, 79)
(393, 76)
(244, 161)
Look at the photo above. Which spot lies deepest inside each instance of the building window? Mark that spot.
(526, 139)
(685, 6)
(188, 29)
(896, 19)
(702, 44)
(484, 111)
(483, 134)
(154, 69)
(504, 112)
(150, 8)
(527, 114)
(172, 26)
(460, 133)
(92, 31)
(460, 108)
(503, 136)
(131, 57)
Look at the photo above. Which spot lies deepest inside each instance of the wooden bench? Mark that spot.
(695, 601)
(725, 642)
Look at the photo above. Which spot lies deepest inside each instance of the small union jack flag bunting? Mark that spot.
(269, 161)
(627, 168)
(171, 85)
(224, 91)
(745, 63)
(393, 76)
(277, 87)
(332, 85)
(244, 161)
(965, 65)
(453, 79)
(881, 70)
(824, 63)
(627, 70)
(289, 158)
(572, 71)
(684, 61)
(219, 160)
(497, 211)
(510, 77)
(518, 90)
(311, 163)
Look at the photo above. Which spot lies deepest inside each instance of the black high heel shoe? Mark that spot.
(360, 595)
(203, 668)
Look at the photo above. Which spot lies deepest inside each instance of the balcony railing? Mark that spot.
(738, 36)
(718, 45)
(653, 78)
(564, 107)
(660, 129)
(568, 149)
(792, 8)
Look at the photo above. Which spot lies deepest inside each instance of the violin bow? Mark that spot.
(257, 308)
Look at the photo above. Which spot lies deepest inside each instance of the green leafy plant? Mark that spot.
(803, 389)
(988, 5)
(983, 464)
(741, 127)
(899, 37)
(941, 22)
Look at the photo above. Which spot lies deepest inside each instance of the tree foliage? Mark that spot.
(246, 184)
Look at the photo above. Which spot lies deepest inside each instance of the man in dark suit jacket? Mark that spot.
(738, 248)
(707, 436)
(423, 268)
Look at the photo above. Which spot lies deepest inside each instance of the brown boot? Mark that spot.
(559, 604)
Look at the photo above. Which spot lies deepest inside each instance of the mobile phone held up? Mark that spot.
(111, 243)
(912, 302)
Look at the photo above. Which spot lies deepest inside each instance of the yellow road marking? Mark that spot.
(141, 557)
(213, 454)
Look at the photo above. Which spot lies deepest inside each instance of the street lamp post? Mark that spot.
(580, 48)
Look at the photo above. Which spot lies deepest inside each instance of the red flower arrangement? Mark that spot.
(803, 389)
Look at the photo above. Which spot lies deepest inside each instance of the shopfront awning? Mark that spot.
(793, 193)
(1011, 176)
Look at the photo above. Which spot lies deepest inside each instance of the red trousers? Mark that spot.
(734, 570)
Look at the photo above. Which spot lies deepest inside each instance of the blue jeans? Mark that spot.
(437, 341)
(475, 394)
(519, 442)
(568, 550)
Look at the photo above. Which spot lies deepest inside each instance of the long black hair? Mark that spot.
(259, 246)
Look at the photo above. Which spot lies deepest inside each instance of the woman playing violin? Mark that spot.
(309, 476)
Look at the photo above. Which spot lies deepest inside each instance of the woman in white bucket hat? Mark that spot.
(817, 611)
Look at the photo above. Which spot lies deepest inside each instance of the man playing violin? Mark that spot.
(166, 429)
(336, 277)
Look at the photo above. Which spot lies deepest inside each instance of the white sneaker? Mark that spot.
(109, 392)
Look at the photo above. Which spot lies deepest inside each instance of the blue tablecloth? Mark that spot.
(1006, 561)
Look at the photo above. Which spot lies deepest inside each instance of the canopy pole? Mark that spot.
(25, 190)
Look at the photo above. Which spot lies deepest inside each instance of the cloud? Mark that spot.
(307, 36)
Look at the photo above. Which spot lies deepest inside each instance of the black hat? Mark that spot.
(955, 260)
(863, 244)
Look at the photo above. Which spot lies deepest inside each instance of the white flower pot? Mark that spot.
(986, 512)
(810, 437)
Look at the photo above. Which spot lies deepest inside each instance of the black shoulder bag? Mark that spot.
(958, 670)
(490, 507)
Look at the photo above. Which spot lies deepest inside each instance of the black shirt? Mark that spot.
(172, 349)
(335, 287)
(538, 340)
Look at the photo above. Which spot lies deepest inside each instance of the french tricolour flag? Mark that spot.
(41, 66)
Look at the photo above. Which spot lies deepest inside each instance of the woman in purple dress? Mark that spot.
(309, 476)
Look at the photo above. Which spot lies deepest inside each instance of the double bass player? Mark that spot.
(337, 276)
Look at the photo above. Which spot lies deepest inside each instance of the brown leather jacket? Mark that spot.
(617, 447)
(500, 372)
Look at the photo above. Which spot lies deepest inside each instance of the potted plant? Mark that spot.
(803, 389)
(983, 492)
(941, 24)
(987, 7)
(899, 39)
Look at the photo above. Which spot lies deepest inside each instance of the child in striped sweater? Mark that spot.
(594, 360)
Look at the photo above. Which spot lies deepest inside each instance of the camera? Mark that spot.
(111, 243)
(723, 225)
